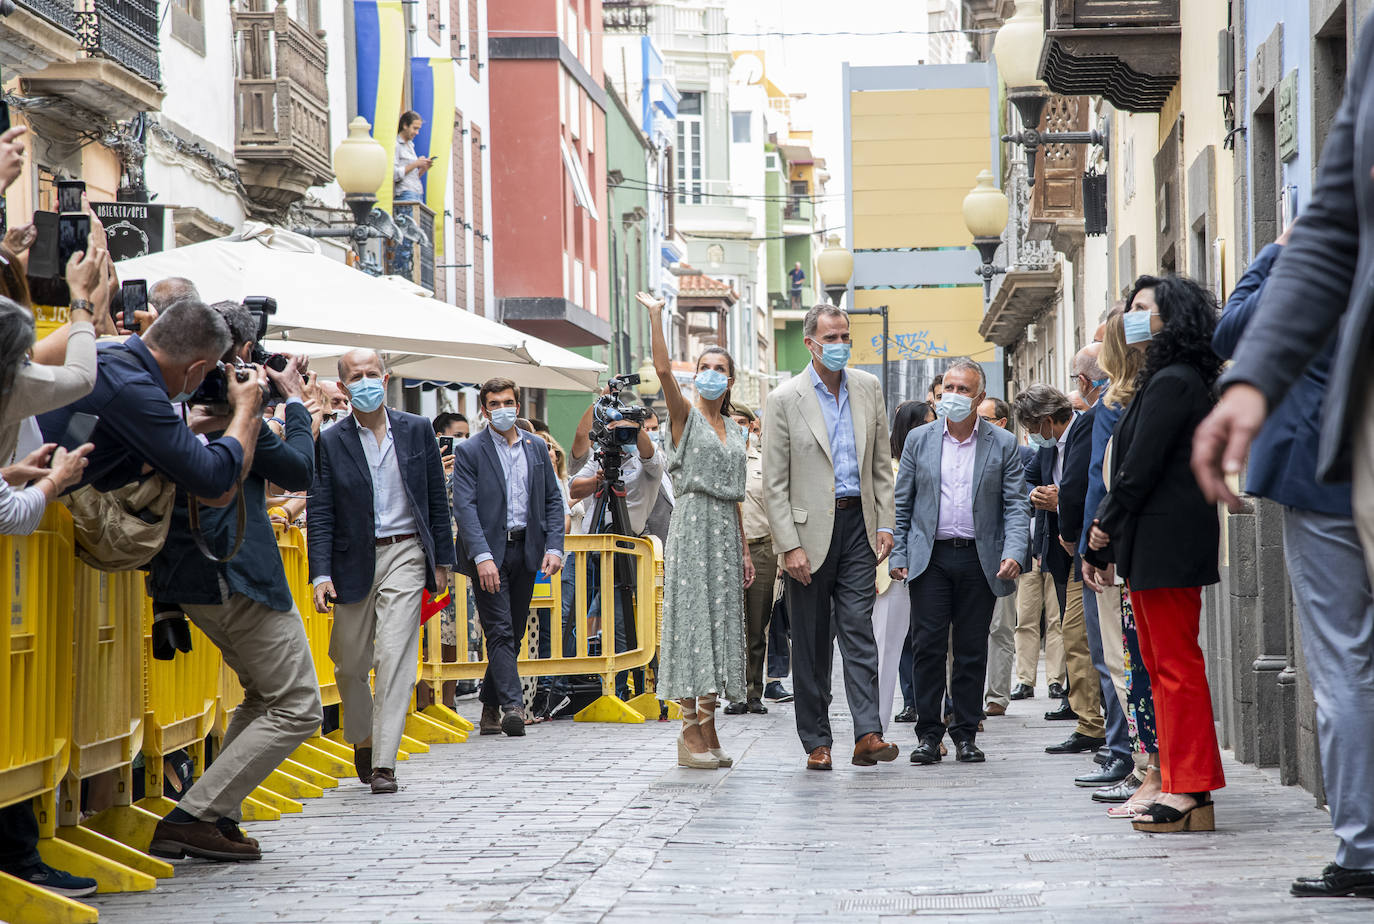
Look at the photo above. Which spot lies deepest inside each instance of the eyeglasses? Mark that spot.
(989, 419)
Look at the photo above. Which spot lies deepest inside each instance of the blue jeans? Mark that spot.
(1331, 588)
(1118, 733)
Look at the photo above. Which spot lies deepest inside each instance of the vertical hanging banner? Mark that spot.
(431, 89)
(380, 47)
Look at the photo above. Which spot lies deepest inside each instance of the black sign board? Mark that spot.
(134, 229)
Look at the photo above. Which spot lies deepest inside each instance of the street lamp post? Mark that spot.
(360, 166)
(1017, 50)
(649, 383)
(985, 216)
(835, 266)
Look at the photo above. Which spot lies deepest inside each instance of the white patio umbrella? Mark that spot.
(322, 300)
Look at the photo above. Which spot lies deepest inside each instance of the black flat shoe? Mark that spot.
(927, 752)
(735, 709)
(1063, 714)
(1158, 818)
(1114, 772)
(1057, 691)
(1076, 744)
(756, 707)
(906, 715)
(777, 692)
(1023, 691)
(1335, 882)
(966, 752)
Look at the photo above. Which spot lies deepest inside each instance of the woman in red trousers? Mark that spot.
(1163, 536)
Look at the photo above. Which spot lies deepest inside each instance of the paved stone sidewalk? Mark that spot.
(579, 822)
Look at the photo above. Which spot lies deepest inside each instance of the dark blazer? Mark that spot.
(479, 502)
(1163, 532)
(1045, 543)
(1283, 459)
(1324, 279)
(342, 530)
(181, 574)
(1105, 417)
(1073, 486)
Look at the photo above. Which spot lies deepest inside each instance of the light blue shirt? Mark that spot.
(517, 471)
(839, 423)
(389, 503)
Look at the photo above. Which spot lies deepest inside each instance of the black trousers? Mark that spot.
(503, 616)
(838, 603)
(952, 593)
(18, 836)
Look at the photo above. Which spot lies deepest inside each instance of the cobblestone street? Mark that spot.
(581, 822)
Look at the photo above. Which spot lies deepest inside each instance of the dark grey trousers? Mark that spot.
(838, 603)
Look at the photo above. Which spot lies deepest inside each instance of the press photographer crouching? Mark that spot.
(241, 601)
(624, 453)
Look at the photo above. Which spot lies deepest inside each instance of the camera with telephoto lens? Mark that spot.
(214, 391)
(262, 307)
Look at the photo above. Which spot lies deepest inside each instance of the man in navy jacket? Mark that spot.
(244, 607)
(379, 536)
(509, 512)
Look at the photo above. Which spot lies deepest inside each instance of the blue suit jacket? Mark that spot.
(1283, 459)
(1045, 546)
(342, 530)
(479, 502)
(1001, 513)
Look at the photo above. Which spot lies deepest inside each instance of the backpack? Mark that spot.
(123, 529)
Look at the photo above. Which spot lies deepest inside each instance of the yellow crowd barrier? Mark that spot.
(461, 662)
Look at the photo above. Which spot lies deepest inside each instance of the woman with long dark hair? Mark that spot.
(1163, 536)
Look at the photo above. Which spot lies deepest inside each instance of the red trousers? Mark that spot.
(1167, 621)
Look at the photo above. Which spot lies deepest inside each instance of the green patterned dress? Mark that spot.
(702, 649)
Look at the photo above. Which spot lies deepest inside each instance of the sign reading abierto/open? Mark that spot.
(135, 229)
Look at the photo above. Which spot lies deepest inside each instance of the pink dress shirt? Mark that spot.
(956, 485)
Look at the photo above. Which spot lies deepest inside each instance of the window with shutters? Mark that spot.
(432, 19)
(474, 42)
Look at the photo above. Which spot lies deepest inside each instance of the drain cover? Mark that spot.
(976, 902)
(1056, 856)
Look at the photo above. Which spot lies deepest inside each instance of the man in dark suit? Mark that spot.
(1050, 419)
(509, 512)
(379, 537)
(1073, 491)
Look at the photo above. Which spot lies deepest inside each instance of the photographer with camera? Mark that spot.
(244, 606)
(616, 427)
(139, 432)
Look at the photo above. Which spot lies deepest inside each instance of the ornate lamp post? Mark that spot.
(985, 216)
(361, 167)
(835, 266)
(649, 384)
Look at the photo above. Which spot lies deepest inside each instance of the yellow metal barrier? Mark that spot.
(435, 668)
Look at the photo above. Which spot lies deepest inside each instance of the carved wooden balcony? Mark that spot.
(282, 104)
(1124, 50)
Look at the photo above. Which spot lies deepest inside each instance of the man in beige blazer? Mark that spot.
(827, 471)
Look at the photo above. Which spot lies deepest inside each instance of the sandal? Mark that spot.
(686, 757)
(706, 706)
(1158, 818)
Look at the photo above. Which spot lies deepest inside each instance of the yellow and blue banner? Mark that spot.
(379, 30)
(431, 91)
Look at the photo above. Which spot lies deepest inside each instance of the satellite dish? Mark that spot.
(748, 70)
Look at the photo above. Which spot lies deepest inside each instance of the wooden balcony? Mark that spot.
(1124, 50)
(282, 104)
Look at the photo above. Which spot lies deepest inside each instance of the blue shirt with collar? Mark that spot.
(139, 424)
(839, 424)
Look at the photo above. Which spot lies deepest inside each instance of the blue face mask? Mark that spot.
(183, 396)
(954, 406)
(1100, 383)
(503, 418)
(367, 394)
(1040, 442)
(1137, 326)
(711, 383)
(835, 356)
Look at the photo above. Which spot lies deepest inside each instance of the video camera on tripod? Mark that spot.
(610, 409)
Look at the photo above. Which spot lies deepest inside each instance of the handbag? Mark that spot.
(121, 530)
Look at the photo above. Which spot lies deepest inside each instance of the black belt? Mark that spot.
(515, 535)
(392, 540)
(845, 503)
(956, 543)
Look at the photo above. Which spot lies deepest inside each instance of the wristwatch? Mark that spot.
(81, 304)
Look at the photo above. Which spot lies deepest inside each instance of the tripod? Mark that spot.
(610, 515)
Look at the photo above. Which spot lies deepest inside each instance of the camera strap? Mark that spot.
(193, 511)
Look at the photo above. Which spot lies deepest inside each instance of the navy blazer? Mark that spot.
(1283, 459)
(1105, 417)
(479, 502)
(341, 521)
(1045, 544)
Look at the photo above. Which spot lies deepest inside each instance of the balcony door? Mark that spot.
(689, 150)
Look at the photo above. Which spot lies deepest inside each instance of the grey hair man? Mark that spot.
(172, 289)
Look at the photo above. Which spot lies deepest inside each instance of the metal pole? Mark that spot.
(887, 379)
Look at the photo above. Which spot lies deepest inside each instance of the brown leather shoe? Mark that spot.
(871, 748)
(491, 720)
(234, 834)
(819, 759)
(995, 709)
(383, 781)
(198, 839)
(362, 762)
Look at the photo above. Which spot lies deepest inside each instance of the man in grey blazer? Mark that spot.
(963, 531)
(827, 474)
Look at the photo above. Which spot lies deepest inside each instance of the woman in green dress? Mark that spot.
(705, 569)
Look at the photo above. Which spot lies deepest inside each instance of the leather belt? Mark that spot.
(845, 503)
(956, 543)
(392, 540)
(515, 535)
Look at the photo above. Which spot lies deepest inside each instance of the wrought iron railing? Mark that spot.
(61, 13)
(125, 31)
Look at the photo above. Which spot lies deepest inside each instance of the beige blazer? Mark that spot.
(799, 474)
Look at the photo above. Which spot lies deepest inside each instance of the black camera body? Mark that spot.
(610, 409)
(214, 390)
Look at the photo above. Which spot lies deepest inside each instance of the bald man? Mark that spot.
(380, 535)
